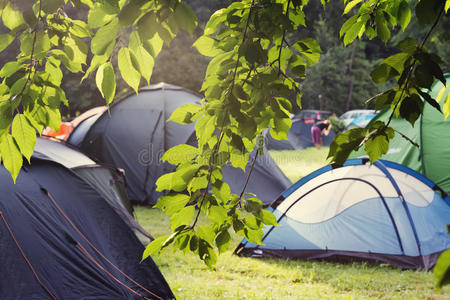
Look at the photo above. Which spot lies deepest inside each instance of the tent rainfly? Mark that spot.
(109, 182)
(60, 239)
(383, 212)
(431, 132)
(135, 134)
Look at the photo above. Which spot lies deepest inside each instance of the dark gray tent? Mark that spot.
(60, 239)
(299, 137)
(135, 134)
(107, 181)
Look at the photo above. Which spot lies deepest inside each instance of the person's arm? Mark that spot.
(326, 131)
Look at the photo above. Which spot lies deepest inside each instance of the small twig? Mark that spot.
(407, 138)
(248, 177)
(247, 24)
(282, 40)
(376, 96)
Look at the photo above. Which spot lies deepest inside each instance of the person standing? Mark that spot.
(319, 128)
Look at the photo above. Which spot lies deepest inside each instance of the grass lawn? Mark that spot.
(249, 278)
(299, 163)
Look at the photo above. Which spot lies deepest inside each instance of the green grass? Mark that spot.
(299, 163)
(250, 278)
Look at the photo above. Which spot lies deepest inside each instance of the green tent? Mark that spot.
(431, 132)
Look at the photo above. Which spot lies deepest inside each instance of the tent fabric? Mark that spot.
(382, 212)
(299, 137)
(108, 182)
(79, 132)
(431, 132)
(135, 134)
(61, 240)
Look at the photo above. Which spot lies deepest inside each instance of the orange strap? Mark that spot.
(25, 257)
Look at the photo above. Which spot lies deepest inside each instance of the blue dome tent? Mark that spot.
(383, 212)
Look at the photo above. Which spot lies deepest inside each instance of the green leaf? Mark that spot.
(239, 159)
(353, 32)
(144, 60)
(185, 113)
(154, 247)
(176, 181)
(24, 134)
(280, 128)
(50, 6)
(129, 13)
(18, 86)
(347, 25)
(106, 81)
(408, 45)
(5, 41)
(12, 18)
(207, 46)
(170, 181)
(428, 10)
(148, 26)
(180, 154)
(378, 145)
(80, 29)
(98, 16)
(383, 73)
(104, 37)
(185, 18)
(411, 108)
(217, 214)
(206, 233)
(383, 31)
(131, 76)
(253, 205)
(153, 45)
(6, 117)
(268, 218)
(12, 158)
(239, 92)
(96, 61)
(75, 49)
(221, 190)
(207, 254)
(204, 128)
(183, 217)
(404, 14)
(172, 203)
(10, 68)
(441, 270)
(252, 223)
(430, 100)
(223, 241)
(446, 107)
(350, 5)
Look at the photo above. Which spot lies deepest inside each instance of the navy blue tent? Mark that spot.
(383, 212)
(135, 134)
(60, 239)
(109, 182)
(299, 137)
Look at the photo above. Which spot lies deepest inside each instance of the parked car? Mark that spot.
(311, 116)
(351, 115)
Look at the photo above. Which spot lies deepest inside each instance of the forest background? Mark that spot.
(338, 82)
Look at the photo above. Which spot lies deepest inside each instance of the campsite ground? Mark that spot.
(248, 278)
